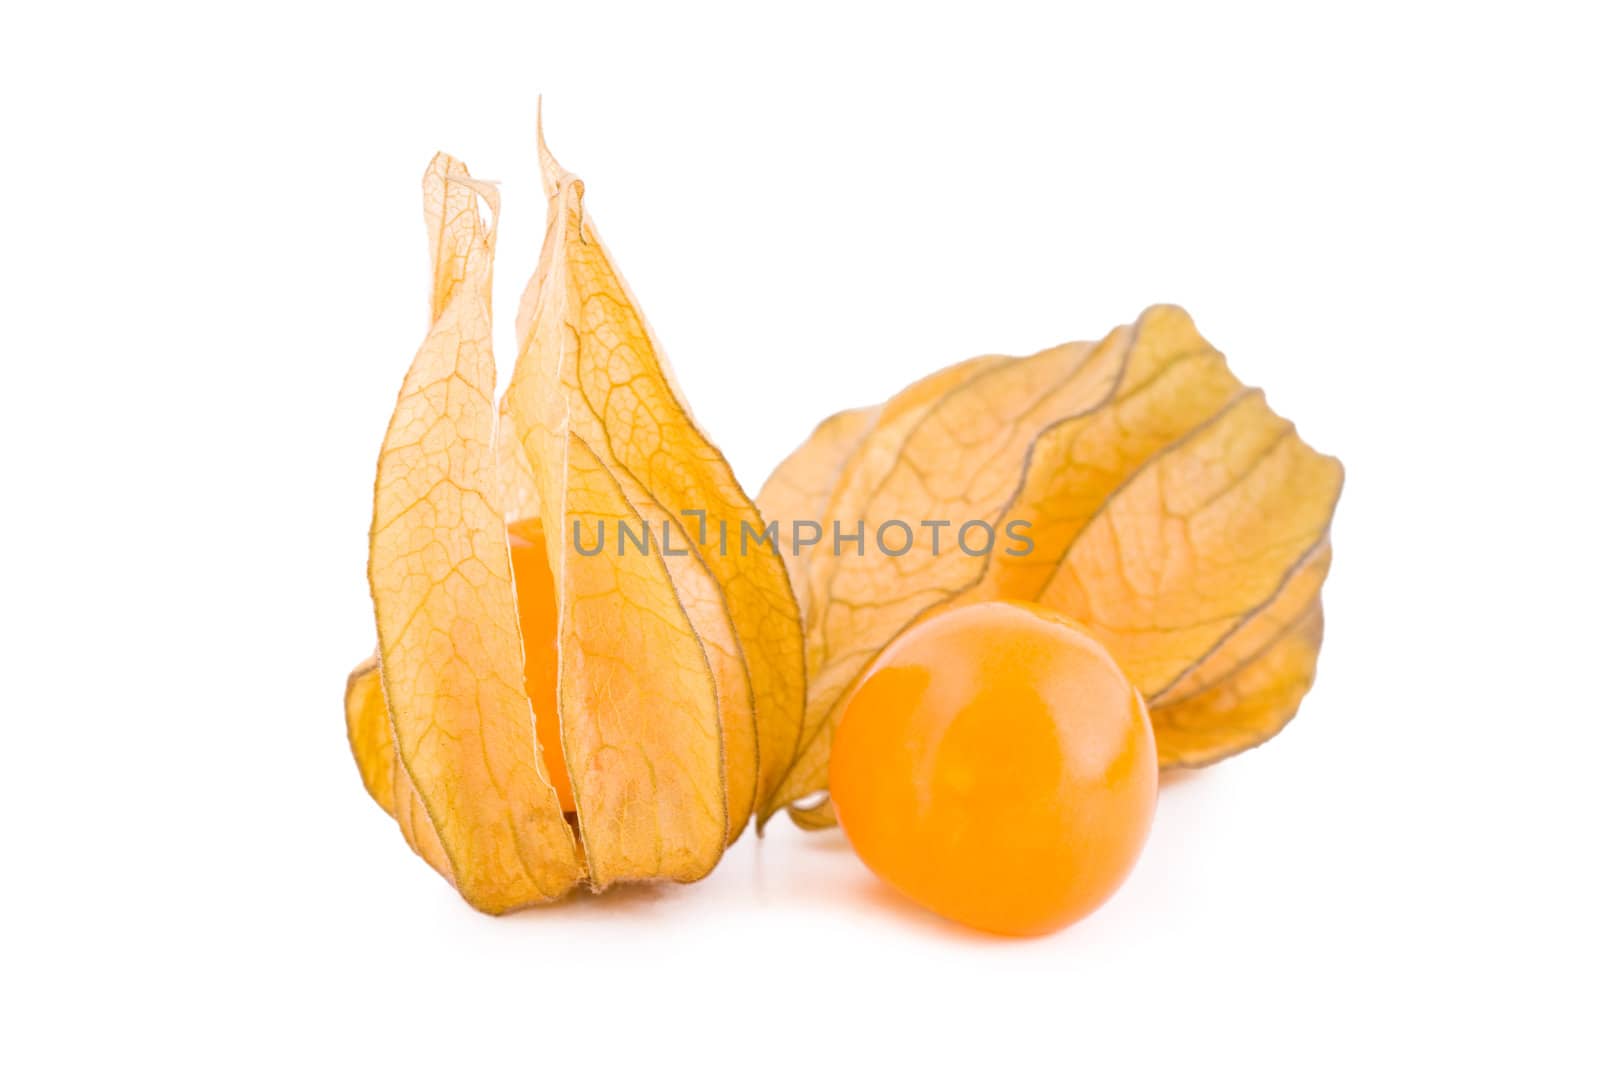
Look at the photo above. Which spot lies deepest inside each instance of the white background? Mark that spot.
(213, 278)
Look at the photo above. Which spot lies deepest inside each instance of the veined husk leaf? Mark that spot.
(468, 788)
(1168, 508)
(590, 371)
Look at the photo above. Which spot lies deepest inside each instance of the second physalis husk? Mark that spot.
(1167, 509)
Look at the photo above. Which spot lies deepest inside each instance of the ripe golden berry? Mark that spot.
(997, 767)
(536, 612)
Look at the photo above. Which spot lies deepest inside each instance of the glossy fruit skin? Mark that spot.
(536, 613)
(997, 767)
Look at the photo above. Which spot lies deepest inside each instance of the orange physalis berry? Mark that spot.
(536, 613)
(995, 765)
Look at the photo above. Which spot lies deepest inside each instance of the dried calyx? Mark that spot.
(1152, 497)
(666, 689)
